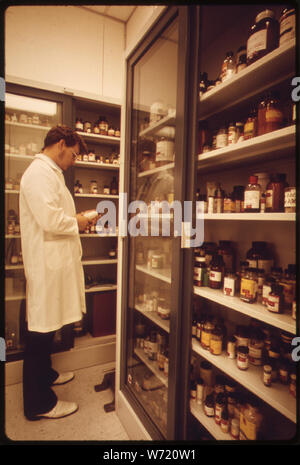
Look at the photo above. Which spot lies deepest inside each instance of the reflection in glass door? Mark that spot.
(151, 238)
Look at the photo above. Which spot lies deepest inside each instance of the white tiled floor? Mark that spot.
(90, 422)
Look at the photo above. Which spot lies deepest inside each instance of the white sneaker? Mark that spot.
(64, 378)
(61, 409)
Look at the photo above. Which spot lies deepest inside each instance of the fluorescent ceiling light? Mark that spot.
(34, 105)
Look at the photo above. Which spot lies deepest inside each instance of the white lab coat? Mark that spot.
(51, 248)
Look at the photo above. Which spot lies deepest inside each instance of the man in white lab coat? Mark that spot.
(51, 252)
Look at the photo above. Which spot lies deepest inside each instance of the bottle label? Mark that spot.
(273, 303)
(251, 199)
(209, 411)
(222, 140)
(290, 198)
(274, 116)
(257, 42)
(265, 294)
(215, 347)
(215, 276)
(287, 29)
(247, 428)
(205, 338)
(248, 288)
(242, 361)
(269, 198)
(164, 150)
(229, 286)
(198, 273)
(249, 129)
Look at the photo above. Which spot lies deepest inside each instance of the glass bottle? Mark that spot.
(275, 194)
(250, 127)
(275, 302)
(225, 249)
(114, 186)
(219, 200)
(248, 291)
(202, 84)
(228, 67)
(263, 36)
(216, 272)
(252, 196)
(287, 23)
(199, 267)
(273, 114)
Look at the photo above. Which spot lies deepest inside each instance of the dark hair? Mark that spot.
(70, 136)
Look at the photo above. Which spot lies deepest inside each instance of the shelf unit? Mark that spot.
(99, 266)
(161, 274)
(283, 321)
(225, 99)
(277, 395)
(153, 316)
(152, 365)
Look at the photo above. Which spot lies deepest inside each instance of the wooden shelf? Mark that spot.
(15, 157)
(258, 311)
(27, 126)
(270, 70)
(168, 166)
(208, 422)
(17, 296)
(168, 120)
(162, 274)
(251, 216)
(14, 267)
(100, 139)
(95, 165)
(277, 395)
(99, 261)
(152, 365)
(12, 191)
(97, 196)
(12, 236)
(275, 144)
(153, 316)
(101, 288)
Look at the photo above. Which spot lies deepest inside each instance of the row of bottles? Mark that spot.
(264, 117)
(112, 189)
(265, 192)
(100, 127)
(265, 35)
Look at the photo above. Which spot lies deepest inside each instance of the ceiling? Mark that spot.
(119, 12)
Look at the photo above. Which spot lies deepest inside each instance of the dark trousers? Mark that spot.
(38, 375)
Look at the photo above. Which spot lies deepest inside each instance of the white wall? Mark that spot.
(65, 46)
(138, 24)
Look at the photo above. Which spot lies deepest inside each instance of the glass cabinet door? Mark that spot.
(27, 121)
(151, 227)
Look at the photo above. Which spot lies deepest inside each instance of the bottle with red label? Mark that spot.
(275, 302)
(252, 196)
(216, 272)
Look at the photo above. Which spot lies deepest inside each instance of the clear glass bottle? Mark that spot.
(228, 67)
(252, 196)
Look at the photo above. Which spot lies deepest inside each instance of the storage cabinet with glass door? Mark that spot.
(243, 382)
(150, 310)
(96, 179)
(28, 117)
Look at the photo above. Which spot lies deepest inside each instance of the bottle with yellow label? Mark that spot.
(249, 286)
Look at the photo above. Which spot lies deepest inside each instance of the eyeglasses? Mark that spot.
(74, 155)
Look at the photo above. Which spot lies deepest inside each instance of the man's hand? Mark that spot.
(82, 221)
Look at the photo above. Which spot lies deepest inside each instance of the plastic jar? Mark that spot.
(263, 36)
(242, 357)
(249, 283)
(290, 199)
(287, 28)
